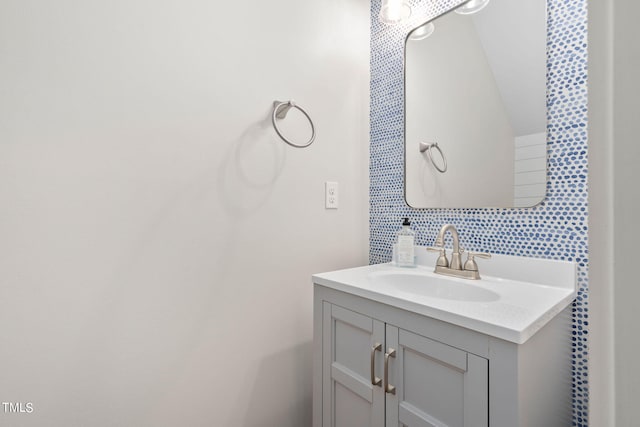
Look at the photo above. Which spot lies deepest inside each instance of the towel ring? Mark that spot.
(425, 146)
(280, 110)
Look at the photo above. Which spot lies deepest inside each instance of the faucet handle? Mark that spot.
(485, 255)
(442, 259)
(470, 264)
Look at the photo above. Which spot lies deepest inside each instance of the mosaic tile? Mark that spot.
(555, 229)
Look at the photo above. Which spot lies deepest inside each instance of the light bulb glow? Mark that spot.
(472, 6)
(394, 11)
(422, 32)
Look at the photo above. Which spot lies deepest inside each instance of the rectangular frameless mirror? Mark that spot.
(475, 113)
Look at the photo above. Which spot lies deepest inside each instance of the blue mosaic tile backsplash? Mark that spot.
(555, 229)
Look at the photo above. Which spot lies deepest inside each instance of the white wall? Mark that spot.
(456, 103)
(514, 39)
(614, 58)
(156, 237)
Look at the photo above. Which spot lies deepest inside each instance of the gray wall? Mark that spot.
(626, 155)
(614, 154)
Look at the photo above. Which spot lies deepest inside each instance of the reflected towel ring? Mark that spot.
(426, 146)
(280, 110)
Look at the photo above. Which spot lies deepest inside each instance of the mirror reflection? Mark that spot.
(475, 113)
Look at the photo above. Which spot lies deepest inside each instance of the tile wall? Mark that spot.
(555, 229)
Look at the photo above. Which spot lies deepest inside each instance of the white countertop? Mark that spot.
(514, 311)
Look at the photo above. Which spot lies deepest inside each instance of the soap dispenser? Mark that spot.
(405, 246)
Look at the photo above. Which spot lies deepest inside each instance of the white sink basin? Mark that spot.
(514, 299)
(418, 283)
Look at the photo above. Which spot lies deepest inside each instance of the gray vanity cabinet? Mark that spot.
(349, 347)
(443, 375)
(435, 384)
(428, 383)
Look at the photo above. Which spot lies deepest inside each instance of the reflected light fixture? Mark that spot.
(394, 11)
(472, 6)
(422, 32)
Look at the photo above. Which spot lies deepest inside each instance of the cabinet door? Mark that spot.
(349, 397)
(436, 385)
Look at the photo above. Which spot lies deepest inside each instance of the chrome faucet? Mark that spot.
(455, 267)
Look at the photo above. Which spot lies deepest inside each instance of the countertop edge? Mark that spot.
(490, 329)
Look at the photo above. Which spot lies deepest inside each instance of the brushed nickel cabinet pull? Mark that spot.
(388, 387)
(375, 380)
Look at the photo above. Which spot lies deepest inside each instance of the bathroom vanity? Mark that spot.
(407, 347)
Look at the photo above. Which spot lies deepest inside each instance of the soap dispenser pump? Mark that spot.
(405, 245)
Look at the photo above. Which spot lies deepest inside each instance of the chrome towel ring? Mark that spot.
(280, 110)
(426, 146)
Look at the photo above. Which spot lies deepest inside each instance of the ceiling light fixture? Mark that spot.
(472, 6)
(422, 32)
(394, 11)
